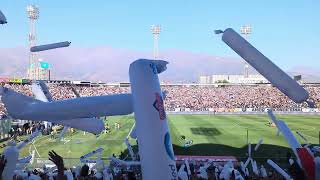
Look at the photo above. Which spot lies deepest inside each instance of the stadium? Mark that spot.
(215, 131)
(261, 124)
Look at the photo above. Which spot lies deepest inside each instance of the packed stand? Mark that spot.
(186, 170)
(192, 98)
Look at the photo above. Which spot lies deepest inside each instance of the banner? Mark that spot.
(206, 158)
(44, 65)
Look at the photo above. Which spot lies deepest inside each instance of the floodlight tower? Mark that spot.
(246, 30)
(155, 29)
(33, 68)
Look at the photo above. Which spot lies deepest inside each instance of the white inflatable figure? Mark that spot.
(20, 106)
(155, 148)
(125, 163)
(133, 132)
(243, 169)
(28, 140)
(98, 175)
(41, 92)
(99, 166)
(11, 154)
(316, 149)
(247, 172)
(203, 172)
(263, 171)
(230, 164)
(258, 145)
(249, 150)
(237, 175)
(188, 167)
(20, 173)
(3, 19)
(146, 100)
(107, 175)
(284, 129)
(93, 125)
(69, 175)
(278, 169)
(309, 150)
(247, 162)
(182, 174)
(50, 174)
(25, 160)
(225, 173)
(265, 67)
(77, 171)
(274, 120)
(254, 167)
(291, 161)
(50, 46)
(61, 135)
(216, 172)
(97, 151)
(292, 141)
(317, 165)
(129, 147)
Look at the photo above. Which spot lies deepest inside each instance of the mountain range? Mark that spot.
(108, 64)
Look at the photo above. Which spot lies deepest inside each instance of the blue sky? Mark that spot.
(286, 31)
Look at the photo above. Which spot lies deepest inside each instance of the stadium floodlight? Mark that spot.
(155, 29)
(246, 30)
(3, 19)
(34, 71)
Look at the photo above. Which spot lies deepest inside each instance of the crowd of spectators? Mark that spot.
(192, 98)
(186, 170)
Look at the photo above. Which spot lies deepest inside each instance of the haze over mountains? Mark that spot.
(109, 64)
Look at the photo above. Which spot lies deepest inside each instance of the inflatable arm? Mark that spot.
(265, 67)
(50, 46)
(3, 19)
(20, 106)
(91, 125)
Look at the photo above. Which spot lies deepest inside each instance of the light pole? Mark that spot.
(246, 30)
(33, 68)
(155, 29)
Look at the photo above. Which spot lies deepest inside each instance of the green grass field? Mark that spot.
(211, 135)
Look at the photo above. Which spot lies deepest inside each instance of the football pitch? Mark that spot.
(216, 135)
